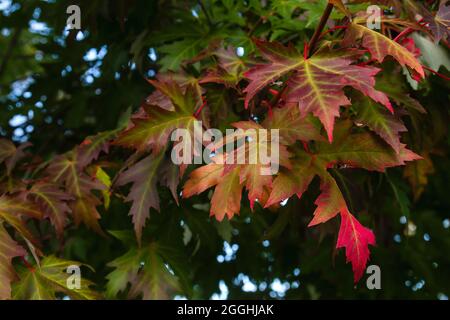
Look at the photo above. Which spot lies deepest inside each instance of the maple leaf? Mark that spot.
(383, 123)
(294, 181)
(316, 83)
(230, 179)
(45, 280)
(146, 270)
(152, 131)
(92, 146)
(381, 46)
(362, 150)
(52, 202)
(292, 127)
(8, 250)
(13, 209)
(392, 84)
(144, 175)
(226, 199)
(67, 170)
(330, 201)
(355, 239)
(229, 69)
(10, 154)
(417, 173)
(440, 23)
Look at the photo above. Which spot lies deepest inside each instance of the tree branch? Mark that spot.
(323, 21)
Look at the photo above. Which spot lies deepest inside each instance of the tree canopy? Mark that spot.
(86, 177)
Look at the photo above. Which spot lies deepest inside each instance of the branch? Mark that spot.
(323, 21)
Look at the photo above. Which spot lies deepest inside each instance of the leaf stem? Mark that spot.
(199, 110)
(323, 21)
(440, 75)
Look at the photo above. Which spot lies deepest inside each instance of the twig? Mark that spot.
(332, 30)
(323, 21)
(199, 110)
(440, 75)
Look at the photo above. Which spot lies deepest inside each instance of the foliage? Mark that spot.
(362, 117)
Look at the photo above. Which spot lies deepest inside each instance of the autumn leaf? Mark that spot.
(13, 210)
(152, 131)
(226, 199)
(316, 83)
(229, 69)
(53, 202)
(91, 147)
(294, 181)
(292, 127)
(440, 23)
(386, 125)
(68, 171)
(50, 278)
(355, 239)
(317, 86)
(361, 150)
(231, 171)
(10, 154)
(381, 46)
(330, 201)
(8, 250)
(282, 60)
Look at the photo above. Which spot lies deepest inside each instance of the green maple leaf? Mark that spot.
(362, 150)
(148, 272)
(45, 280)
